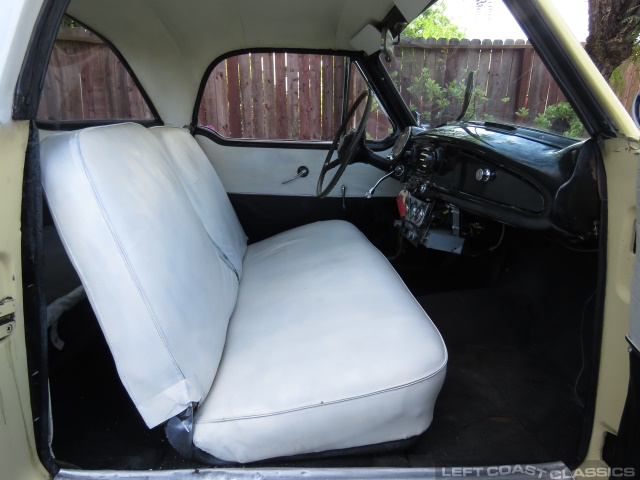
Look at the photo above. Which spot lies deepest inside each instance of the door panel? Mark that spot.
(261, 171)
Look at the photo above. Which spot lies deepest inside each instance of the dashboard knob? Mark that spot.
(484, 175)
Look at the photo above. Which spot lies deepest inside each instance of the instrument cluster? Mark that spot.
(461, 181)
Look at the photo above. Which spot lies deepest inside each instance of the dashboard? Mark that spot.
(459, 178)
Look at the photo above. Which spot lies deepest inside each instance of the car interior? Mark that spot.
(373, 289)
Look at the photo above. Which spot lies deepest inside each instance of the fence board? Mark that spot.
(495, 80)
(450, 74)
(404, 74)
(438, 75)
(515, 80)
(293, 95)
(119, 93)
(205, 112)
(483, 74)
(554, 93)
(353, 92)
(83, 58)
(315, 113)
(282, 120)
(539, 87)
(463, 61)
(233, 87)
(415, 63)
(136, 102)
(451, 63)
(498, 79)
(219, 100)
(305, 99)
(71, 105)
(339, 66)
(55, 77)
(474, 55)
(430, 65)
(534, 87)
(244, 71)
(109, 80)
(630, 85)
(525, 80)
(269, 96)
(257, 95)
(509, 59)
(483, 64)
(50, 101)
(328, 128)
(101, 93)
(417, 76)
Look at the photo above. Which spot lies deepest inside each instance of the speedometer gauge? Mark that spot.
(401, 144)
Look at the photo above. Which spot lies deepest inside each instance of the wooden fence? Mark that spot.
(308, 89)
(628, 88)
(275, 95)
(85, 80)
(509, 77)
(283, 96)
(300, 96)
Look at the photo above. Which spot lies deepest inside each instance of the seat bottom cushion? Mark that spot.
(326, 349)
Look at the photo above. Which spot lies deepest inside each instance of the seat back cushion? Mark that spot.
(206, 193)
(161, 292)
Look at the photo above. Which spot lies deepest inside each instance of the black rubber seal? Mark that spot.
(35, 308)
(594, 350)
(34, 67)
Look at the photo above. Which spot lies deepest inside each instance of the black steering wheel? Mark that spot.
(347, 145)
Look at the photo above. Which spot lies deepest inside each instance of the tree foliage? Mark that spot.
(434, 23)
(614, 26)
(445, 102)
(561, 118)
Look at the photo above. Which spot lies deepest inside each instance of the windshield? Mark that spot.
(431, 67)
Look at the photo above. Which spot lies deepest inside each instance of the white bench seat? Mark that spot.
(312, 343)
(323, 329)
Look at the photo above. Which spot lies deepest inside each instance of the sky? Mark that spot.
(492, 19)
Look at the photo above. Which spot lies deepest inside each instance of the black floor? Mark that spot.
(510, 394)
(501, 402)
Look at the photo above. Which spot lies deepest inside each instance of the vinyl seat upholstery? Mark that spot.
(304, 342)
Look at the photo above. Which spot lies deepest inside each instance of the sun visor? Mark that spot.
(367, 40)
(410, 9)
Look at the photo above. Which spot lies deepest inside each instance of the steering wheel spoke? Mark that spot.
(346, 144)
(333, 164)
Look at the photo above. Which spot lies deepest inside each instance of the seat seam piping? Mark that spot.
(332, 402)
(116, 240)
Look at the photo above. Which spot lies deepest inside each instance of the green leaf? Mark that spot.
(434, 23)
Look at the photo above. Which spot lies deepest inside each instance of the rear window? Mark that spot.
(86, 80)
